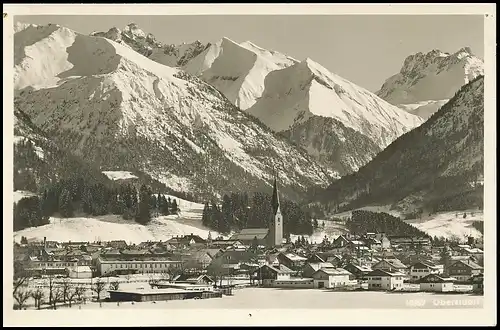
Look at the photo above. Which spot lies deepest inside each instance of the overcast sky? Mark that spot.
(365, 49)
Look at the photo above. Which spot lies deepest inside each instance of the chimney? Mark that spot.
(44, 242)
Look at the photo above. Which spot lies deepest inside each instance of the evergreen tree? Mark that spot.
(65, 204)
(174, 208)
(225, 223)
(143, 215)
(159, 205)
(165, 206)
(153, 206)
(205, 217)
(255, 244)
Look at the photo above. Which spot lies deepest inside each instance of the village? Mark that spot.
(192, 267)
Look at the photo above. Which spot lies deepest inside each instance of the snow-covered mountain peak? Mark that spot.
(306, 89)
(113, 106)
(237, 70)
(465, 51)
(134, 30)
(434, 76)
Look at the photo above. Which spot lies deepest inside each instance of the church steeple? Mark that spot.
(276, 229)
(275, 199)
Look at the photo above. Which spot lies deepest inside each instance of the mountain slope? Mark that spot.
(429, 80)
(237, 70)
(435, 167)
(119, 109)
(38, 161)
(306, 90)
(147, 45)
(242, 71)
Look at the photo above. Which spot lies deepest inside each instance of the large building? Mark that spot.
(270, 237)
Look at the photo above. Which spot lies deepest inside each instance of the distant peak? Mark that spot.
(133, 26)
(465, 50)
(226, 39)
(134, 30)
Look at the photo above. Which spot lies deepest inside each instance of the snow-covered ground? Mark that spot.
(119, 175)
(20, 194)
(254, 298)
(449, 224)
(443, 224)
(113, 227)
(423, 109)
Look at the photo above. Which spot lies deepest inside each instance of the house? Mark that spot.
(51, 265)
(79, 272)
(249, 235)
(266, 275)
(357, 271)
(310, 268)
(223, 244)
(291, 260)
(123, 264)
(410, 242)
(436, 283)
(200, 279)
(191, 239)
(421, 269)
(477, 283)
(372, 243)
(230, 261)
(331, 257)
(476, 253)
(463, 270)
(119, 244)
(330, 278)
(174, 241)
(197, 260)
(340, 242)
(390, 265)
(379, 279)
(385, 242)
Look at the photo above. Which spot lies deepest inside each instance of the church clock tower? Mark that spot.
(276, 230)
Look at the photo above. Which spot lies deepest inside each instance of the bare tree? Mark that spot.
(72, 294)
(66, 288)
(153, 282)
(18, 282)
(80, 292)
(38, 295)
(21, 296)
(57, 296)
(115, 285)
(98, 287)
(51, 289)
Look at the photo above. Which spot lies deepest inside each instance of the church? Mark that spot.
(270, 237)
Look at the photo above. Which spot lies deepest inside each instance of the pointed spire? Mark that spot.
(275, 199)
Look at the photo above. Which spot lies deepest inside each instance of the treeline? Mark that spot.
(28, 213)
(76, 195)
(238, 211)
(379, 222)
(479, 226)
